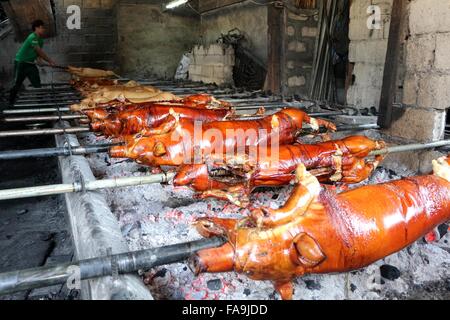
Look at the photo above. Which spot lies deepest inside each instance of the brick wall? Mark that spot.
(212, 64)
(300, 41)
(368, 53)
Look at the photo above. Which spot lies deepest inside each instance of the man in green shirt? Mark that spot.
(24, 64)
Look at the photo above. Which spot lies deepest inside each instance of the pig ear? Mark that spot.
(159, 149)
(308, 252)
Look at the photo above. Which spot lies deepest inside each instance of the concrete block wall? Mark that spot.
(300, 42)
(152, 41)
(93, 45)
(368, 52)
(248, 17)
(426, 87)
(212, 64)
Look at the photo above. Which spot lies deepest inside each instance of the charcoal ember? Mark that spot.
(352, 287)
(389, 272)
(312, 285)
(443, 229)
(247, 291)
(215, 284)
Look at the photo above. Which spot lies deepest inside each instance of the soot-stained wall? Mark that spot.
(152, 42)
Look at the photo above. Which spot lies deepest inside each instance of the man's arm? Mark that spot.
(43, 55)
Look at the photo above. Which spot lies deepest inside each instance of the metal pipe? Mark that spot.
(19, 193)
(37, 110)
(110, 265)
(52, 152)
(411, 147)
(45, 118)
(37, 132)
(48, 99)
(44, 103)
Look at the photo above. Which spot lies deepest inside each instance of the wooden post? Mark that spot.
(275, 61)
(389, 88)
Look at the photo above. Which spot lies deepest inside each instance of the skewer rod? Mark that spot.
(411, 147)
(38, 132)
(37, 110)
(39, 191)
(45, 118)
(52, 152)
(110, 265)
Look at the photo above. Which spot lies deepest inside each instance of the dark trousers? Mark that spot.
(23, 70)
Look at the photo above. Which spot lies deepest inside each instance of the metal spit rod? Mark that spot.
(110, 265)
(45, 103)
(44, 118)
(19, 193)
(411, 147)
(37, 132)
(37, 110)
(80, 186)
(51, 152)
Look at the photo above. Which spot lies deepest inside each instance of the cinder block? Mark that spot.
(358, 8)
(297, 46)
(442, 55)
(92, 4)
(296, 81)
(434, 92)
(207, 71)
(370, 75)
(309, 32)
(424, 125)
(410, 89)
(290, 31)
(358, 29)
(195, 69)
(429, 16)
(368, 51)
(364, 96)
(420, 53)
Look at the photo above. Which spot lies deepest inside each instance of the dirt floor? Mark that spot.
(33, 231)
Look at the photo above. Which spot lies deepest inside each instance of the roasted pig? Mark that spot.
(91, 73)
(233, 178)
(198, 101)
(179, 141)
(123, 94)
(151, 116)
(318, 231)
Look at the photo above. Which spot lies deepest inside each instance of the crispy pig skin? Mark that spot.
(182, 143)
(332, 161)
(318, 231)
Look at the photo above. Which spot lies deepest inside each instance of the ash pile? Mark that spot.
(157, 215)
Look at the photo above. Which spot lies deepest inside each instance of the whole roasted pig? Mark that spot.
(233, 178)
(179, 141)
(91, 73)
(318, 231)
(123, 94)
(153, 116)
(197, 101)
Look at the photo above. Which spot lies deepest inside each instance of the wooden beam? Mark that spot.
(276, 24)
(396, 38)
(22, 13)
